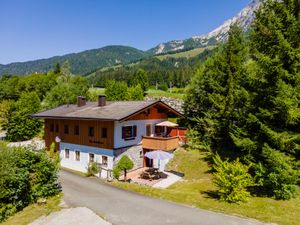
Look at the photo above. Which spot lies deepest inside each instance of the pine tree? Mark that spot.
(215, 100)
(270, 135)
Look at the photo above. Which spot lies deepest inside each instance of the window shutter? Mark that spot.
(134, 131)
(123, 133)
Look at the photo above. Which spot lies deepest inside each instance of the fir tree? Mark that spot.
(270, 136)
(215, 100)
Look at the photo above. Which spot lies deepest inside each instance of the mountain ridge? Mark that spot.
(81, 62)
(87, 61)
(244, 19)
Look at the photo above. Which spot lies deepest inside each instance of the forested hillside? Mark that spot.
(81, 63)
(176, 71)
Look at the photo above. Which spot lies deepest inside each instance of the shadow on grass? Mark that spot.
(210, 194)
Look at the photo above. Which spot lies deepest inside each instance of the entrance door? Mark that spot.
(148, 130)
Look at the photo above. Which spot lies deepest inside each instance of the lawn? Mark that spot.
(194, 190)
(34, 211)
(177, 93)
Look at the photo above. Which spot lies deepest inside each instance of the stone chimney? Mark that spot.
(101, 100)
(81, 101)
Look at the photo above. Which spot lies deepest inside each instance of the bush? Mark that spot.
(25, 176)
(116, 173)
(92, 169)
(232, 179)
(163, 87)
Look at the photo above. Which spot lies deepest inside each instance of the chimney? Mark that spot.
(81, 101)
(101, 100)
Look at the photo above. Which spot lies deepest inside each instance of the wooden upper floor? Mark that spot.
(109, 126)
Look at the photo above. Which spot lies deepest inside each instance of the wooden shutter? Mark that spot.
(134, 131)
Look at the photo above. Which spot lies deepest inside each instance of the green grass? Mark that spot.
(98, 91)
(34, 211)
(186, 54)
(160, 93)
(197, 183)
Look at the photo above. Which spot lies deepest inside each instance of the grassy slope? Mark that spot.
(186, 54)
(160, 93)
(197, 183)
(34, 211)
(150, 93)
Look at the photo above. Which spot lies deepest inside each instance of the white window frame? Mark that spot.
(90, 157)
(67, 149)
(76, 157)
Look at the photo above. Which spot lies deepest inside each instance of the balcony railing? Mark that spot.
(160, 143)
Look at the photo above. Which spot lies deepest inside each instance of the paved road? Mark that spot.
(121, 207)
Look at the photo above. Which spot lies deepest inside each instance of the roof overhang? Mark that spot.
(160, 103)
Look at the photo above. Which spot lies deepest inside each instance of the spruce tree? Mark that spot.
(270, 135)
(215, 99)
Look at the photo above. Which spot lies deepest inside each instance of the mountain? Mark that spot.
(89, 61)
(81, 63)
(244, 19)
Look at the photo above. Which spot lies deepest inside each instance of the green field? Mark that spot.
(175, 93)
(186, 54)
(197, 187)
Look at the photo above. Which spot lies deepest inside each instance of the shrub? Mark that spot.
(116, 173)
(25, 176)
(163, 87)
(232, 179)
(92, 169)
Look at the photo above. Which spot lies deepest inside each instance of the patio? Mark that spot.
(156, 179)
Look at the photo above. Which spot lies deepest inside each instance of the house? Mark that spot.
(103, 131)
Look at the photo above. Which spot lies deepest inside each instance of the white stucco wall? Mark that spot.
(82, 164)
(141, 130)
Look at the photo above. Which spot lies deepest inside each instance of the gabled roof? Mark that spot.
(120, 110)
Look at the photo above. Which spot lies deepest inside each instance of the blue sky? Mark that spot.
(35, 29)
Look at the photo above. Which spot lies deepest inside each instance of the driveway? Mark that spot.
(122, 207)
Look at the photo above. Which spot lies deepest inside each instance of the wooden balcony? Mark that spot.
(160, 143)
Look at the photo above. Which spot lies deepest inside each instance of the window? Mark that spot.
(57, 128)
(129, 132)
(76, 130)
(77, 155)
(104, 160)
(91, 157)
(51, 127)
(67, 153)
(104, 132)
(91, 131)
(66, 129)
(159, 129)
(148, 130)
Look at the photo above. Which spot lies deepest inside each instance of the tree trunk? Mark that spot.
(125, 174)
